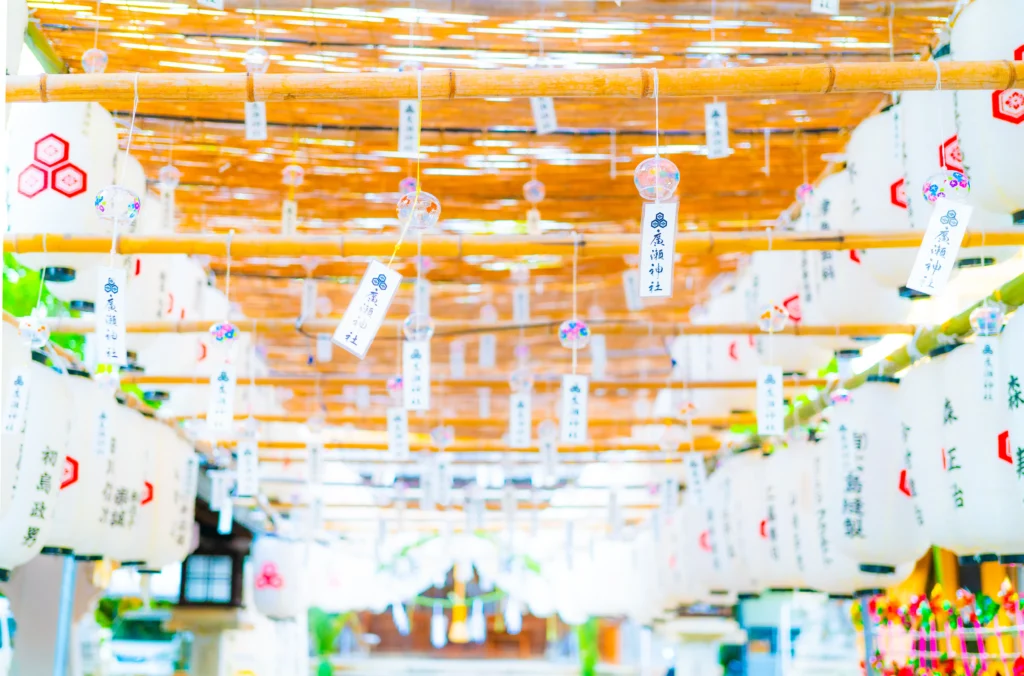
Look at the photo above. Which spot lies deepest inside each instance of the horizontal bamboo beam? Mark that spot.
(636, 83)
(1010, 294)
(334, 382)
(702, 444)
(460, 246)
(465, 422)
(632, 327)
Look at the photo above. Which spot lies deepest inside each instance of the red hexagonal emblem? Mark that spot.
(51, 150)
(1008, 104)
(898, 194)
(32, 180)
(950, 156)
(147, 497)
(69, 180)
(70, 474)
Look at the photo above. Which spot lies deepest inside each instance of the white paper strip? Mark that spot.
(509, 506)
(17, 401)
(362, 397)
(367, 309)
(575, 391)
(218, 488)
(324, 348)
(614, 515)
(316, 514)
(247, 468)
(488, 347)
(421, 297)
(457, 358)
(289, 217)
(770, 413)
(444, 480)
(220, 413)
(408, 127)
(416, 375)
(696, 477)
(315, 463)
(547, 448)
(544, 118)
(989, 367)
(167, 222)
(483, 395)
(940, 246)
(520, 419)
(521, 304)
(212, 4)
(398, 433)
(598, 356)
(102, 440)
(716, 130)
(255, 121)
(825, 6)
(308, 300)
(110, 329)
(657, 249)
(669, 495)
(631, 288)
(226, 516)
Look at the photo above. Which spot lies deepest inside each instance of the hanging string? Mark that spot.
(771, 314)
(252, 368)
(227, 273)
(767, 151)
(575, 256)
(419, 154)
(124, 166)
(96, 30)
(657, 141)
(803, 151)
(892, 46)
(42, 277)
(614, 170)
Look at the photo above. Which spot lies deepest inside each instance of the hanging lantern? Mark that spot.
(826, 567)
(786, 484)
(774, 287)
(875, 163)
(719, 357)
(880, 529)
(921, 405)
(735, 512)
(59, 156)
(931, 154)
(173, 499)
(991, 124)
(279, 577)
(29, 516)
(980, 462)
(844, 289)
(121, 503)
(78, 526)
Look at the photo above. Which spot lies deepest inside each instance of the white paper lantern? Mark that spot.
(279, 577)
(28, 519)
(875, 163)
(921, 404)
(80, 500)
(736, 525)
(931, 146)
(826, 567)
(880, 528)
(723, 357)
(16, 357)
(125, 487)
(776, 280)
(60, 156)
(846, 292)
(979, 460)
(787, 489)
(175, 472)
(17, 22)
(991, 124)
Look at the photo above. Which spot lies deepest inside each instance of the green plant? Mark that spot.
(586, 634)
(20, 291)
(325, 629)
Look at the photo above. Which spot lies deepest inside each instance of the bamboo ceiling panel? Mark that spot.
(478, 153)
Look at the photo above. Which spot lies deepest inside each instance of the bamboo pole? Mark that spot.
(459, 246)
(701, 444)
(636, 83)
(1010, 294)
(335, 382)
(467, 422)
(633, 327)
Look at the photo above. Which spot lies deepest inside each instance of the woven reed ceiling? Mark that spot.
(478, 153)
